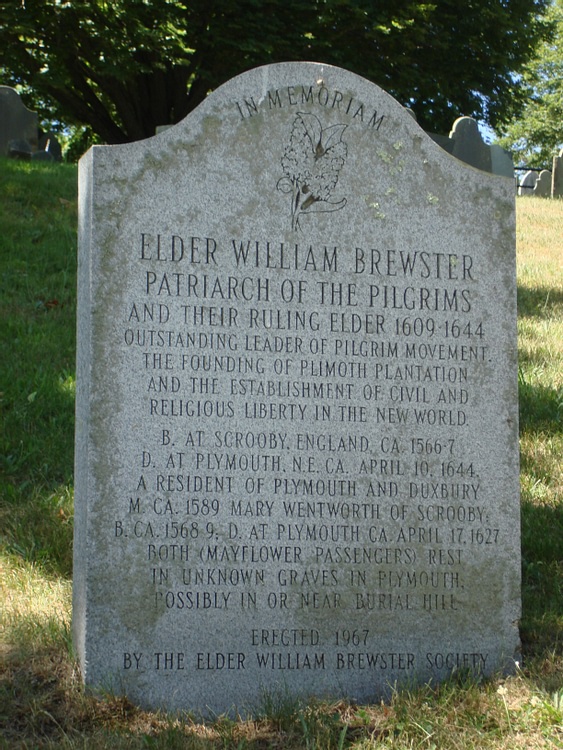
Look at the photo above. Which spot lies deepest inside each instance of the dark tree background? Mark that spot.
(122, 67)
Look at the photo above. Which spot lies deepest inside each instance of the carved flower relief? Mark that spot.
(311, 165)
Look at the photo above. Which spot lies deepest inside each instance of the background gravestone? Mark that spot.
(49, 145)
(297, 444)
(557, 176)
(528, 182)
(542, 188)
(17, 123)
(468, 145)
(501, 161)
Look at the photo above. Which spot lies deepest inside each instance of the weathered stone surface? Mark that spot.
(17, 123)
(297, 443)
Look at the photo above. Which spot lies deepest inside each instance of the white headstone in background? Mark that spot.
(542, 188)
(528, 183)
(297, 440)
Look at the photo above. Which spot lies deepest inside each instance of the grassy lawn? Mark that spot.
(42, 703)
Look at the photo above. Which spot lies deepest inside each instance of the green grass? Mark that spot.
(540, 340)
(42, 703)
(37, 340)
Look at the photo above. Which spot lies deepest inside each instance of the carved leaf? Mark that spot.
(324, 177)
(313, 129)
(332, 135)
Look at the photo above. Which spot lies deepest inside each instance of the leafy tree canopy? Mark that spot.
(122, 67)
(536, 134)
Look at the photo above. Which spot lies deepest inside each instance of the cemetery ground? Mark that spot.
(42, 703)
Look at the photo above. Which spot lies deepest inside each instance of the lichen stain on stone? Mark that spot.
(375, 207)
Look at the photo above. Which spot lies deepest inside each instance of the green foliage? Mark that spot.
(125, 67)
(536, 134)
(76, 140)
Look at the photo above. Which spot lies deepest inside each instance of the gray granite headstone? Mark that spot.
(528, 182)
(297, 439)
(542, 188)
(468, 145)
(17, 123)
(557, 176)
(501, 161)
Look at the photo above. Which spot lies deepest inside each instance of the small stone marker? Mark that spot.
(297, 443)
(17, 122)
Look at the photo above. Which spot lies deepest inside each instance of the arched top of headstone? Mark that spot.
(542, 188)
(283, 89)
(357, 145)
(468, 144)
(17, 122)
(11, 96)
(465, 127)
(528, 182)
(276, 90)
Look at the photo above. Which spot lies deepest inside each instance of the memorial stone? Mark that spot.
(557, 176)
(542, 188)
(297, 439)
(17, 123)
(528, 182)
(468, 145)
(501, 161)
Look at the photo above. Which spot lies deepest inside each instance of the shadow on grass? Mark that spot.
(541, 407)
(541, 431)
(36, 462)
(37, 416)
(538, 301)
